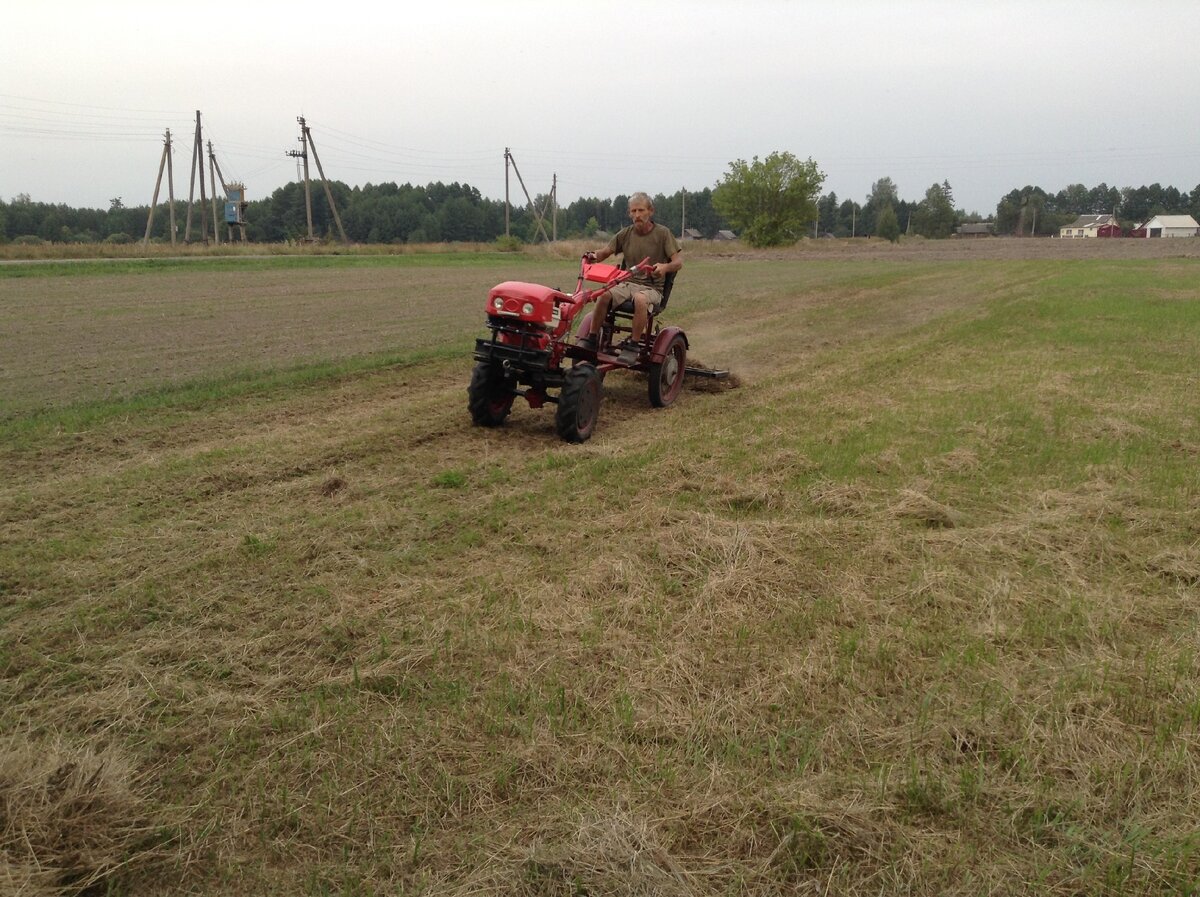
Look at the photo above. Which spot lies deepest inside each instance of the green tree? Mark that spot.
(116, 221)
(848, 220)
(1033, 201)
(883, 194)
(770, 202)
(827, 213)
(888, 226)
(935, 214)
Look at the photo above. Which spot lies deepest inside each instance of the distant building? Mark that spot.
(1170, 226)
(725, 235)
(1091, 226)
(690, 233)
(981, 229)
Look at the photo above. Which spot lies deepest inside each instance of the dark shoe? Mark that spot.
(587, 342)
(629, 352)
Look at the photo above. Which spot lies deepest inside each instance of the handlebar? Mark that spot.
(612, 276)
(643, 266)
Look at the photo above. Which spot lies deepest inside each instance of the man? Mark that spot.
(641, 239)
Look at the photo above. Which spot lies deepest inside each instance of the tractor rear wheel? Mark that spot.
(666, 376)
(490, 396)
(578, 403)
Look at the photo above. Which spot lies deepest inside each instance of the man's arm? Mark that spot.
(663, 268)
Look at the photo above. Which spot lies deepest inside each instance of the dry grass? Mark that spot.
(70, 818)
(894, 617)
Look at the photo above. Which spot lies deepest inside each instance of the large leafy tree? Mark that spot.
(772, 201)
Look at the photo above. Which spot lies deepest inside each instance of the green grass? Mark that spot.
(910, 611)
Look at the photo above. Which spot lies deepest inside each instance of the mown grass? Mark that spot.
(911, 611)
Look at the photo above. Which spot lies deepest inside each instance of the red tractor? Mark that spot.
(531, 343)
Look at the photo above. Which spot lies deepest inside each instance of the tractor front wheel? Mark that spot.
(578, 403)
(490, 396)
(666, 376)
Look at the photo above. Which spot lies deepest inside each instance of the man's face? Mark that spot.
(639, 213)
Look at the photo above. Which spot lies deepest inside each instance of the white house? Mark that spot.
(1171, 226)
(1090, 226)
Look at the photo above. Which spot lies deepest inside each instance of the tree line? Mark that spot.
(773, 201)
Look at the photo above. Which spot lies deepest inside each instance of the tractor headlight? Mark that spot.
(498, 303)
(527, 308)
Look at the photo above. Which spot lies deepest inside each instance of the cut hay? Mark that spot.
(918, 506)
(70, 819)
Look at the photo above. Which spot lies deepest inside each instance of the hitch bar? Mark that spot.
(706, 372)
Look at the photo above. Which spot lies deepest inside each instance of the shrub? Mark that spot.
(118, 238)
(509, 244)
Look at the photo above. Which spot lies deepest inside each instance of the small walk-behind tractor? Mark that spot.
(531, 344)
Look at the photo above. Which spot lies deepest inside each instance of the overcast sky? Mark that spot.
(987, 95)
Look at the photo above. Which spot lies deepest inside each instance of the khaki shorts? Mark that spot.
(622, 296)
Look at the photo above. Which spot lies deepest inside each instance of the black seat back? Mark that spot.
(668, 283)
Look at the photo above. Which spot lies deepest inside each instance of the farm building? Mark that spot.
(1091, 226)
(981, 229)
(725, 235)
(690, 233)
(1170, 226)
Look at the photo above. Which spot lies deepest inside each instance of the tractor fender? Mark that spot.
(659, 351)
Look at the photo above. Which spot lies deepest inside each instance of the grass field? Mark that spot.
(913, 610)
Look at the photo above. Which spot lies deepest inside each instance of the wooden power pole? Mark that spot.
(538, 216)
(164, 161)
(237, 189)
(197, 165)
(212, 180)
(306, 141)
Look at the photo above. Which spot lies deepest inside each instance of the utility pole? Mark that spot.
(212, 179)
(302, 153)
(171, 188)
(324, 182)
(165, 161)
(306, 141)
(239, 203)
(536, 215)
(197, 165)
(554, 201)
(683, 216)
(507, 204)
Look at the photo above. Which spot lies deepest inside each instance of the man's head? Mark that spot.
(641, 212)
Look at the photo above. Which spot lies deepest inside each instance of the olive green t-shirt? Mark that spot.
(659, 245)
